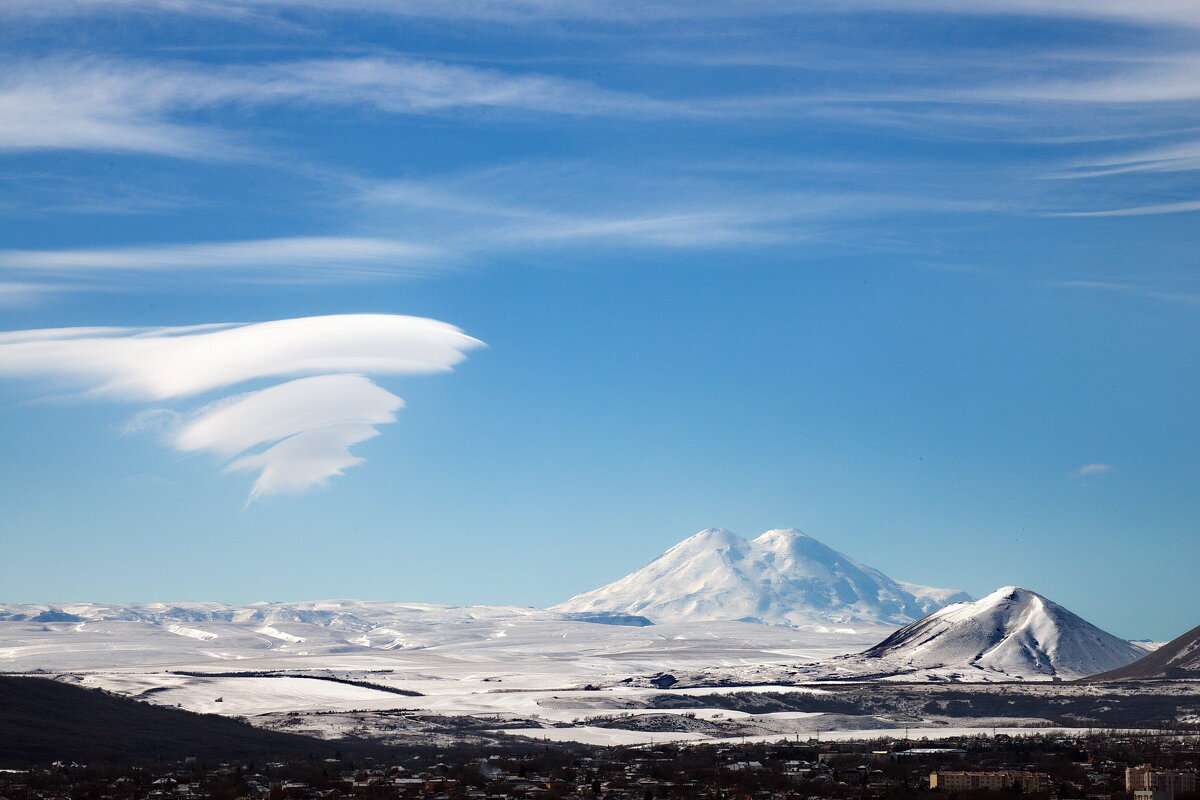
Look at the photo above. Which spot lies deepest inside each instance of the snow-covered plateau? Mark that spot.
(595, 669)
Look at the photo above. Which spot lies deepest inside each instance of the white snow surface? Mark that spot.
(337, 663)
(783, 577)
(354, 634)
(268, 661)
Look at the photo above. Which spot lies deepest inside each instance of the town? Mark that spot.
(1099, 766)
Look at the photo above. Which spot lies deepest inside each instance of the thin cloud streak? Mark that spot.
(330, 255)
(15, 294)
(123, 106)
(1179, 157)
(1136, 211)
(1150, 12)
(525, 206)
(1126, 288)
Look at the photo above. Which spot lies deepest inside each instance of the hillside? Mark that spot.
(43, 720)
(1178, 658)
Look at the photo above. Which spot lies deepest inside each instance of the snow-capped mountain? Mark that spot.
(1011, 633)
(783, 577)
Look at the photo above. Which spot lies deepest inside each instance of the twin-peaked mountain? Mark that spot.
(783, 577)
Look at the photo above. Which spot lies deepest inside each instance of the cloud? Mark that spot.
(306, 424)
(105, 106)
(1178, 157)
(1149, 80)
(535, 205)
(309, 424)
(123, 106)
(1131, 289)
(330, 256)
(1156, 12)
(1136, 211)
(14, 293)
(1089, 470)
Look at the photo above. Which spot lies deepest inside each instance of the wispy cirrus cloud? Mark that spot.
(1131, 289)
(1153, 12)
(1177, 157)
(1131, 78)
(1181, 207)
(449, 222)
(124, 106)
(1093, 470)
(532, 205)
(296, 434)
(297, 256)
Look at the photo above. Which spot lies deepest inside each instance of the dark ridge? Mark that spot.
(608, 618)
(42, 720)
(1178, 658)
(379, 687)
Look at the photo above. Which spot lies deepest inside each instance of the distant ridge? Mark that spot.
(783, 577)
(1178, 658)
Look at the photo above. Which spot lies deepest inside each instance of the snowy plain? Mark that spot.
(341, 668)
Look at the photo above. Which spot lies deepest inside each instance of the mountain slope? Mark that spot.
(783, 577)
(1178, 658)
(43, 720)
(1011, 633)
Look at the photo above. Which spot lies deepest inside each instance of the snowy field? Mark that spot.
(517, 666)
(605, 737)
(392, 671)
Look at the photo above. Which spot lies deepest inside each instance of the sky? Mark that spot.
(492, 301)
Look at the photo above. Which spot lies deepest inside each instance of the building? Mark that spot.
(1150, 794)
(1149, 779)
(961, 781)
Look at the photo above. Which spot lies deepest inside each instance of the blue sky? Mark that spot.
(917, 280)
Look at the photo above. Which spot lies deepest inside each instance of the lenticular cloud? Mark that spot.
(294, 434)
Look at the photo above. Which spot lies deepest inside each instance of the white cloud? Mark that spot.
(1148, 80)
(533, 205)
(1089, 470)
(1178, 157)
(1155, 12)
(1159, 12)
(1133, 290)
(306, 424)
(309, 424)
(161, 363)
(97, 105)
(125, 106)
(1136, 211)
(297, 255)
(306, 459)
(13, 293)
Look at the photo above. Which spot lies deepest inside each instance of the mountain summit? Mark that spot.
(1013, 633)
(783, 577)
